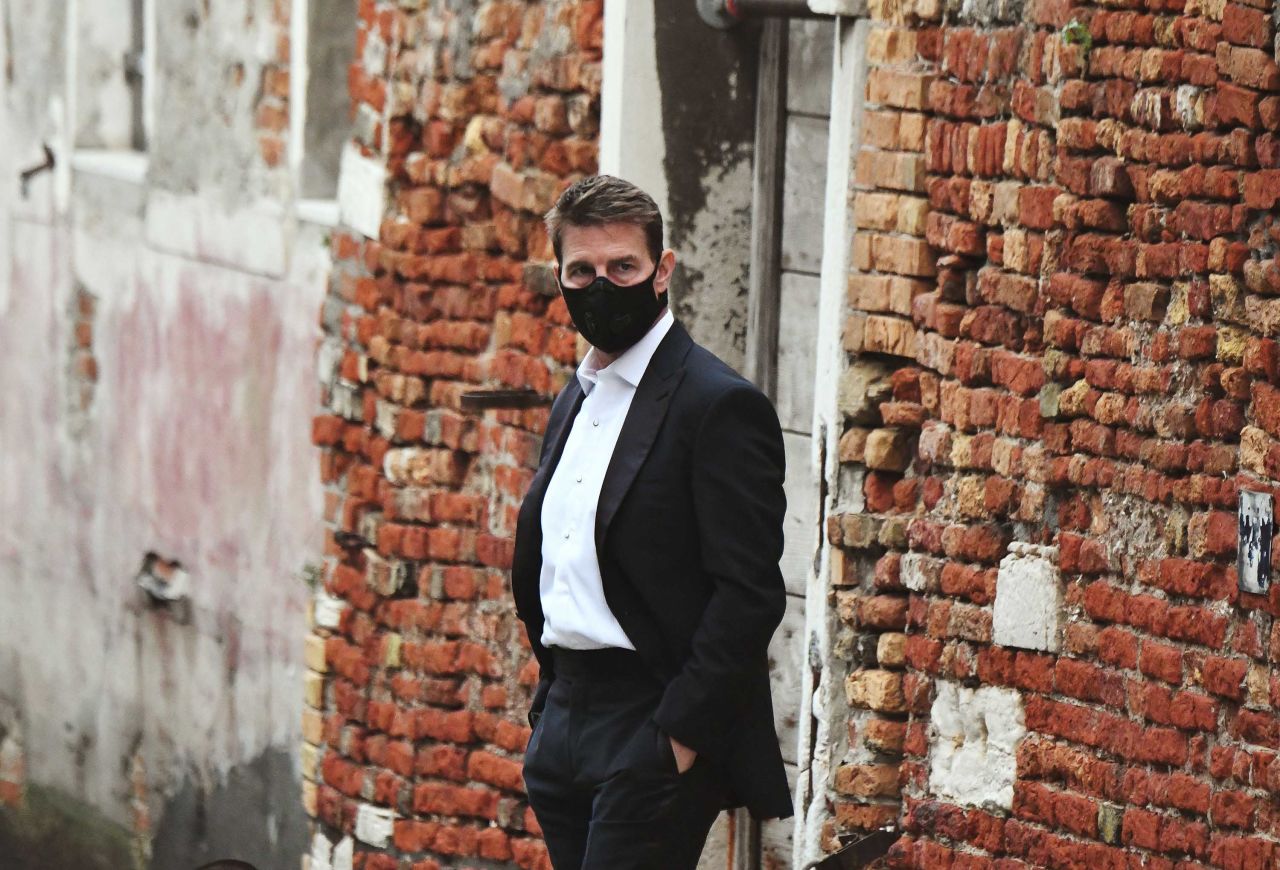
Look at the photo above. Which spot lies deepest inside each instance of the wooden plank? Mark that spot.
(803, 194)
(766, 209)
(809, 62)
(786, 666)
(801, 535)
(763, 285)
(797, 351)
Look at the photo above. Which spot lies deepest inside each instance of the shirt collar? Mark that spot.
(631, 364)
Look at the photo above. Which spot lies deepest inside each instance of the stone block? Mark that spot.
(1028, 610)
(889, 335)
(889, 45)
(312, 726)
(920, 573)
(888, 449)
(859, 531)
(884, 735)
(382, 575)
(327, 609)
(852, 444)
(891, 649)
(876, 211)
(867, 780)
(362, 192)
(899, 254)
(893, 170)
(973, 743)
(876, 690)
(863, 386)
(904, 90)
(374, 824)
(313, 689)
(309, 760)
(313, 653)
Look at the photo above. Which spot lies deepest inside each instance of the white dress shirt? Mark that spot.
(573, 604)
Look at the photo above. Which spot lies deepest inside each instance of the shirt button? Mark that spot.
(566, 534)
(595, 422)
(579, 478)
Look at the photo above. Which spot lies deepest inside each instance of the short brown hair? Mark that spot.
(604, 199)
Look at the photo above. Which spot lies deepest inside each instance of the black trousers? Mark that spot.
(602, 778)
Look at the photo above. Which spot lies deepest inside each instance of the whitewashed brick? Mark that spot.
(1028, 611)
(373, 824)
(973, 742)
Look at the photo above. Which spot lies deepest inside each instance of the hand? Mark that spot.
(684, 755)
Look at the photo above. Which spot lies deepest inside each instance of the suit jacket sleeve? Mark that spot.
(739, 505)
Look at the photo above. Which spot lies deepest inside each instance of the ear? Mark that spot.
(666, 268)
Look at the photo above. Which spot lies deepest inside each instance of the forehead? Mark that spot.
(603, 242)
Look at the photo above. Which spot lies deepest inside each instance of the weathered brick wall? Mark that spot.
(271, 114)
(421, 675)
(1062, 328)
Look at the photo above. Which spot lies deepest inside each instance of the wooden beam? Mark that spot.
(763, 297)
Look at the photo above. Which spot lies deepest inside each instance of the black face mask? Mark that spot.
(612, 317)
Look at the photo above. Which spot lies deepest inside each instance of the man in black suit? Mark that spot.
(646, 565)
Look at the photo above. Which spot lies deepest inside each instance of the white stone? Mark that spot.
(362, 192)
(916, 569)
(373, 824)
(973, 743)
(1028, 611)
(328, 609)
(344, 854)
(321, 852)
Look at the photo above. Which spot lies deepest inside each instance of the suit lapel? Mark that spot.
(644, 419)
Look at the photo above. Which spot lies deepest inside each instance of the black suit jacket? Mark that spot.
(688, 536)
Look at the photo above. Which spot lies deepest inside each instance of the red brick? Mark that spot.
(1245, 26)
(1225, 676)
(1232, 809)
(1161, 661)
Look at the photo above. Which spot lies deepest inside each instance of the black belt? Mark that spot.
(601, 665)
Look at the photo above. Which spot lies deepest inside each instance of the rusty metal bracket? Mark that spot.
(724, 14)
(859, 854)
(477, 401)
(27, 174)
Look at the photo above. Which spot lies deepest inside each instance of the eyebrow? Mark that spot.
(629, 258)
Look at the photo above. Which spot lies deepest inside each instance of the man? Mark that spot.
(646, 564)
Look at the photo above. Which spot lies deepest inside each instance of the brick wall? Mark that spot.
(271, 114)
(420, 672)
(1062, 328)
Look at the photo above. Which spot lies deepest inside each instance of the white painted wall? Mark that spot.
(632, 145)
(196, 446)
(824, 710)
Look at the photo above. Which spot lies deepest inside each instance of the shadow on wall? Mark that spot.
(252, 821)
(255, 815)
